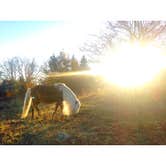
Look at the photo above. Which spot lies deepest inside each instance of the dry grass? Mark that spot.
(105, 118)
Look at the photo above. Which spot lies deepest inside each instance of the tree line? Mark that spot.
(20, 73)
(63, 63)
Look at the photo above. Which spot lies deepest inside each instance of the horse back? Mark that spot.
(46, 94)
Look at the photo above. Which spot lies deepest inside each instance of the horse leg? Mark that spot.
(33, 110)
(32, 113)
(61, 106)
(56, 107)
(37, 110)
(35, 106)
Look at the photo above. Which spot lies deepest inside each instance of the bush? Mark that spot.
(80, 84)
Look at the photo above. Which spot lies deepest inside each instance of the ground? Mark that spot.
(104, 119)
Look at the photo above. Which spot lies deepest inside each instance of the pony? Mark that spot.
(59, 93)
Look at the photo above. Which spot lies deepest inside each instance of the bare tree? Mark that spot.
(17, 68)
(9, 69)
(143, 31)
(139, 30)
(98, 42)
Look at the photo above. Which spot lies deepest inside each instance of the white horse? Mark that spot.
(59, 93)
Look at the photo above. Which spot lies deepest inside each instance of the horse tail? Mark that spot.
(27, 104)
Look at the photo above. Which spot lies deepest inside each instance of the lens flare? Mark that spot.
(66, 108)
(131, 65)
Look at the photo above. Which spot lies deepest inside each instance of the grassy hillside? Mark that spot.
(106, 117)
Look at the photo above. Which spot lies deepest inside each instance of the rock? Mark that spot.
(62, 137)
(29, 139)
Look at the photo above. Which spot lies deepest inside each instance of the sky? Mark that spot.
(41, 39)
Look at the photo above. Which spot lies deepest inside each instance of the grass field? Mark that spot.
(108, 118)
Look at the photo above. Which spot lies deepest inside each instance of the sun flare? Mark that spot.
(66, 109)
(130, 65)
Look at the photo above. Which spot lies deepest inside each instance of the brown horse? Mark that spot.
(48, 94)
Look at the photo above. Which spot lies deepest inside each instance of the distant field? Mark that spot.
(106, 117)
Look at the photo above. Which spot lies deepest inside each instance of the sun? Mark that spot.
(131, 64)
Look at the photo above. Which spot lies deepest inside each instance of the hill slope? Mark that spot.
(103, 119)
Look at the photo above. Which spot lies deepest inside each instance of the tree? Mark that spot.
(74, 64)
(142, 31)
(64, 62)
(9, 69)
(53, 63)
(84, 63)
(20, 69)
(60, 63)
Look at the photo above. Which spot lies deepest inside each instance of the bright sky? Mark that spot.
(40, 39)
